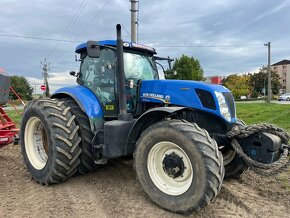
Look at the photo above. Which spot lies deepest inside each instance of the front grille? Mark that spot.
(206, 99)
(231, 103)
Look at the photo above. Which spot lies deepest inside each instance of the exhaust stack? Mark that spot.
(123, 115)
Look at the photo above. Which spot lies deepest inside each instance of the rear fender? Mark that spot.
(87, 101)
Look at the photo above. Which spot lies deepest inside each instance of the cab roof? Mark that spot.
(131, 45)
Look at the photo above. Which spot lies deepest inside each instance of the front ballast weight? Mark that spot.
(282, 162)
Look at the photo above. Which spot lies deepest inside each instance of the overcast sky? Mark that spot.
(221, 23)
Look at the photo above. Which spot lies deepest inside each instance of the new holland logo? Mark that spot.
(159, 97)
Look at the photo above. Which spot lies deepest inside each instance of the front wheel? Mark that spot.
(179, 166)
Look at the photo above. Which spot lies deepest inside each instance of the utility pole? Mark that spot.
(34, 84)
(134, 20)
(45, 68)
(269, 72)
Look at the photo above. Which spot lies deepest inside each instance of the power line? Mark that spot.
(69, 26)
(37, 38)
(205, 46)
(92, 20)
(98, 13)
(157, 46)
(75, 16)
(126, 30)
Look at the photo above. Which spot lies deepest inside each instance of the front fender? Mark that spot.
(147, 119)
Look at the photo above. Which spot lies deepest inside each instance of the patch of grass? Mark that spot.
(252, 113)
(14, 116)
(278, 114)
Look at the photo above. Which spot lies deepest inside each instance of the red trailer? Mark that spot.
(8, 130)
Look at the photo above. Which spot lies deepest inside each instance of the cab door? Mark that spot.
(137, 67)
(99, 75)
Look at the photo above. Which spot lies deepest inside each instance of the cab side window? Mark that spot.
(98, 74)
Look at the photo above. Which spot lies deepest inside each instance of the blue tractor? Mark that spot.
(175, 130)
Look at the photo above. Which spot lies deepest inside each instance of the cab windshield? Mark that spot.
(139, 66)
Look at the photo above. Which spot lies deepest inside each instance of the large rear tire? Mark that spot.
(49, 141)
(179, 166)
(87, 163)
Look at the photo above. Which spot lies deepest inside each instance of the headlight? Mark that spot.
(224, 109)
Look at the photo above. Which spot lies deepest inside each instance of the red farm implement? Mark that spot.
(8, 130)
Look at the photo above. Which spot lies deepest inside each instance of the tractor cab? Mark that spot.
(99, 73)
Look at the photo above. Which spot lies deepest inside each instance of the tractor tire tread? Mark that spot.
(65, 158)
(208, 149)
(87, 163)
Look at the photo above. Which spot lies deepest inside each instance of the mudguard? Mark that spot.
(87, 101)
(147, 119)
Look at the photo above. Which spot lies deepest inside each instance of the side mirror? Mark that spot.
(93, 49)
(72, 73)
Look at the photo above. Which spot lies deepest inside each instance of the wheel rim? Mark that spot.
(36, 143)
(228, 156)
(169, 168)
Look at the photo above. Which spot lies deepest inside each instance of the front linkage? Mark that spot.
(241, 132)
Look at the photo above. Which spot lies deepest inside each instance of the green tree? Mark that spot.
(22, 87)
(185, 68)
(239, 85)
(259, 81)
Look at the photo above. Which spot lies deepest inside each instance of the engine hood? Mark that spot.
(192, 94)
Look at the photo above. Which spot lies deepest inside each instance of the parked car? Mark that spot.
(284, 97)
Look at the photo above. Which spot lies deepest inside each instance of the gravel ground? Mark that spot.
(112, 191)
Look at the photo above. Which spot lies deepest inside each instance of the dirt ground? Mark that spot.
(112, 191)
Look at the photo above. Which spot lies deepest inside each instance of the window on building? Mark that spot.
(275, 68)
(284, 67)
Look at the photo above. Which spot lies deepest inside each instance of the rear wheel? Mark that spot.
(49, 141)
(87, 163)
(179, 166)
